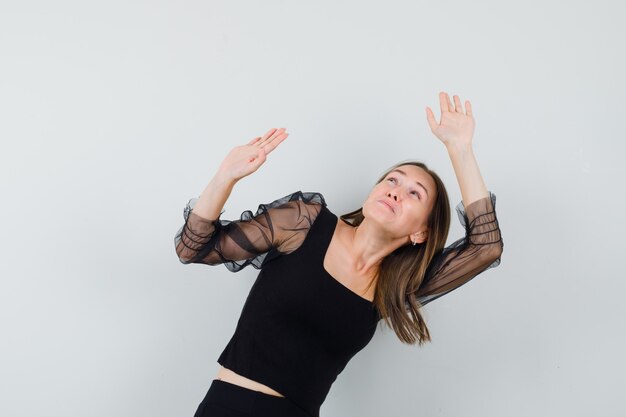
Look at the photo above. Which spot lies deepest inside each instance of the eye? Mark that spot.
(412, 192)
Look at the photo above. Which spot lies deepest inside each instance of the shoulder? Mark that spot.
(305, 197)
(293, 216)
(298, 201)
(294, 208)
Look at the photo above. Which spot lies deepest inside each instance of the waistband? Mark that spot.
(254, 403)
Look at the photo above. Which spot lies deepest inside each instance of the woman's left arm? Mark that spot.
(482, 245)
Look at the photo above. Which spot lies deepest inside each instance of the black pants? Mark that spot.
(229, 400)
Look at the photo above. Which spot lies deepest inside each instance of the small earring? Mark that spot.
(414, 242)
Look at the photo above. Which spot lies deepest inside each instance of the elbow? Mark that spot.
(493, 253)
(191, 257)
(184, 261)
(497, 249)
(489, 254)
(200, 255)
(185, 255)
(182, 258)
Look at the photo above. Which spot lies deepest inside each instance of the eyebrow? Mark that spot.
(417, 182)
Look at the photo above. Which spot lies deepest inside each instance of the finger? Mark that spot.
(443, 105)
(274, 143)
(450, 106)
(253, 141)
(268, 133)
(430, 117)
(274, 135)
(277, 133)
(457, 104)
(468, 108)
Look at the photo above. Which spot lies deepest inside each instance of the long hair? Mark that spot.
(402, 272)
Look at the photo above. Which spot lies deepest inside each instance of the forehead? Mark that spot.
(416, 173)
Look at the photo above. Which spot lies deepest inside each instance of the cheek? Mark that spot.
(415, 217)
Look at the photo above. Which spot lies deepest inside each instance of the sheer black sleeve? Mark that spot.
(278, 227)
(467, 257)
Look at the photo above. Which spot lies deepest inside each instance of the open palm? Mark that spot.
(456, 126)
(243, 160)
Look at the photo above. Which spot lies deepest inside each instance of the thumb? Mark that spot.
(430, 117)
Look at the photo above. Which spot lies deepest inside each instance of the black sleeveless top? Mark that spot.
(299, 326)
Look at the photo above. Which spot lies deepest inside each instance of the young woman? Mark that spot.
(325, 282)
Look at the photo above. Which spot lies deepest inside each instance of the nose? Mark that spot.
(392, 195)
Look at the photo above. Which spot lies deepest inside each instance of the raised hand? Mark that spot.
(243, 160)
(456, 127)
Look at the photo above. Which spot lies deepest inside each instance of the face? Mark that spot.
(402, 201)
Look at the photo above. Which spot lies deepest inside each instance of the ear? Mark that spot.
(419, 237)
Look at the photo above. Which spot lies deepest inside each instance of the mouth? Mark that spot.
(387, 204)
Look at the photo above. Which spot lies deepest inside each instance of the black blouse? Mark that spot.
(299, 327)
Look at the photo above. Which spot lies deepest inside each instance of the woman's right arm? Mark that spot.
(202, 221)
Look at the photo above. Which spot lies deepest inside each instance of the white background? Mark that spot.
(113, 114)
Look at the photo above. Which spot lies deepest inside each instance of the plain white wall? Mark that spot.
(113, 114)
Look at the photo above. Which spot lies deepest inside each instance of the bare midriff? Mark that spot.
(227, 375)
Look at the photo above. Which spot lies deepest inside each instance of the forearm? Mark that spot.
(467, 173)
(211, 202)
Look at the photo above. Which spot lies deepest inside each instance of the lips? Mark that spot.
(388, 205)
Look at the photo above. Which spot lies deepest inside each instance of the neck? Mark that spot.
(369, 246)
